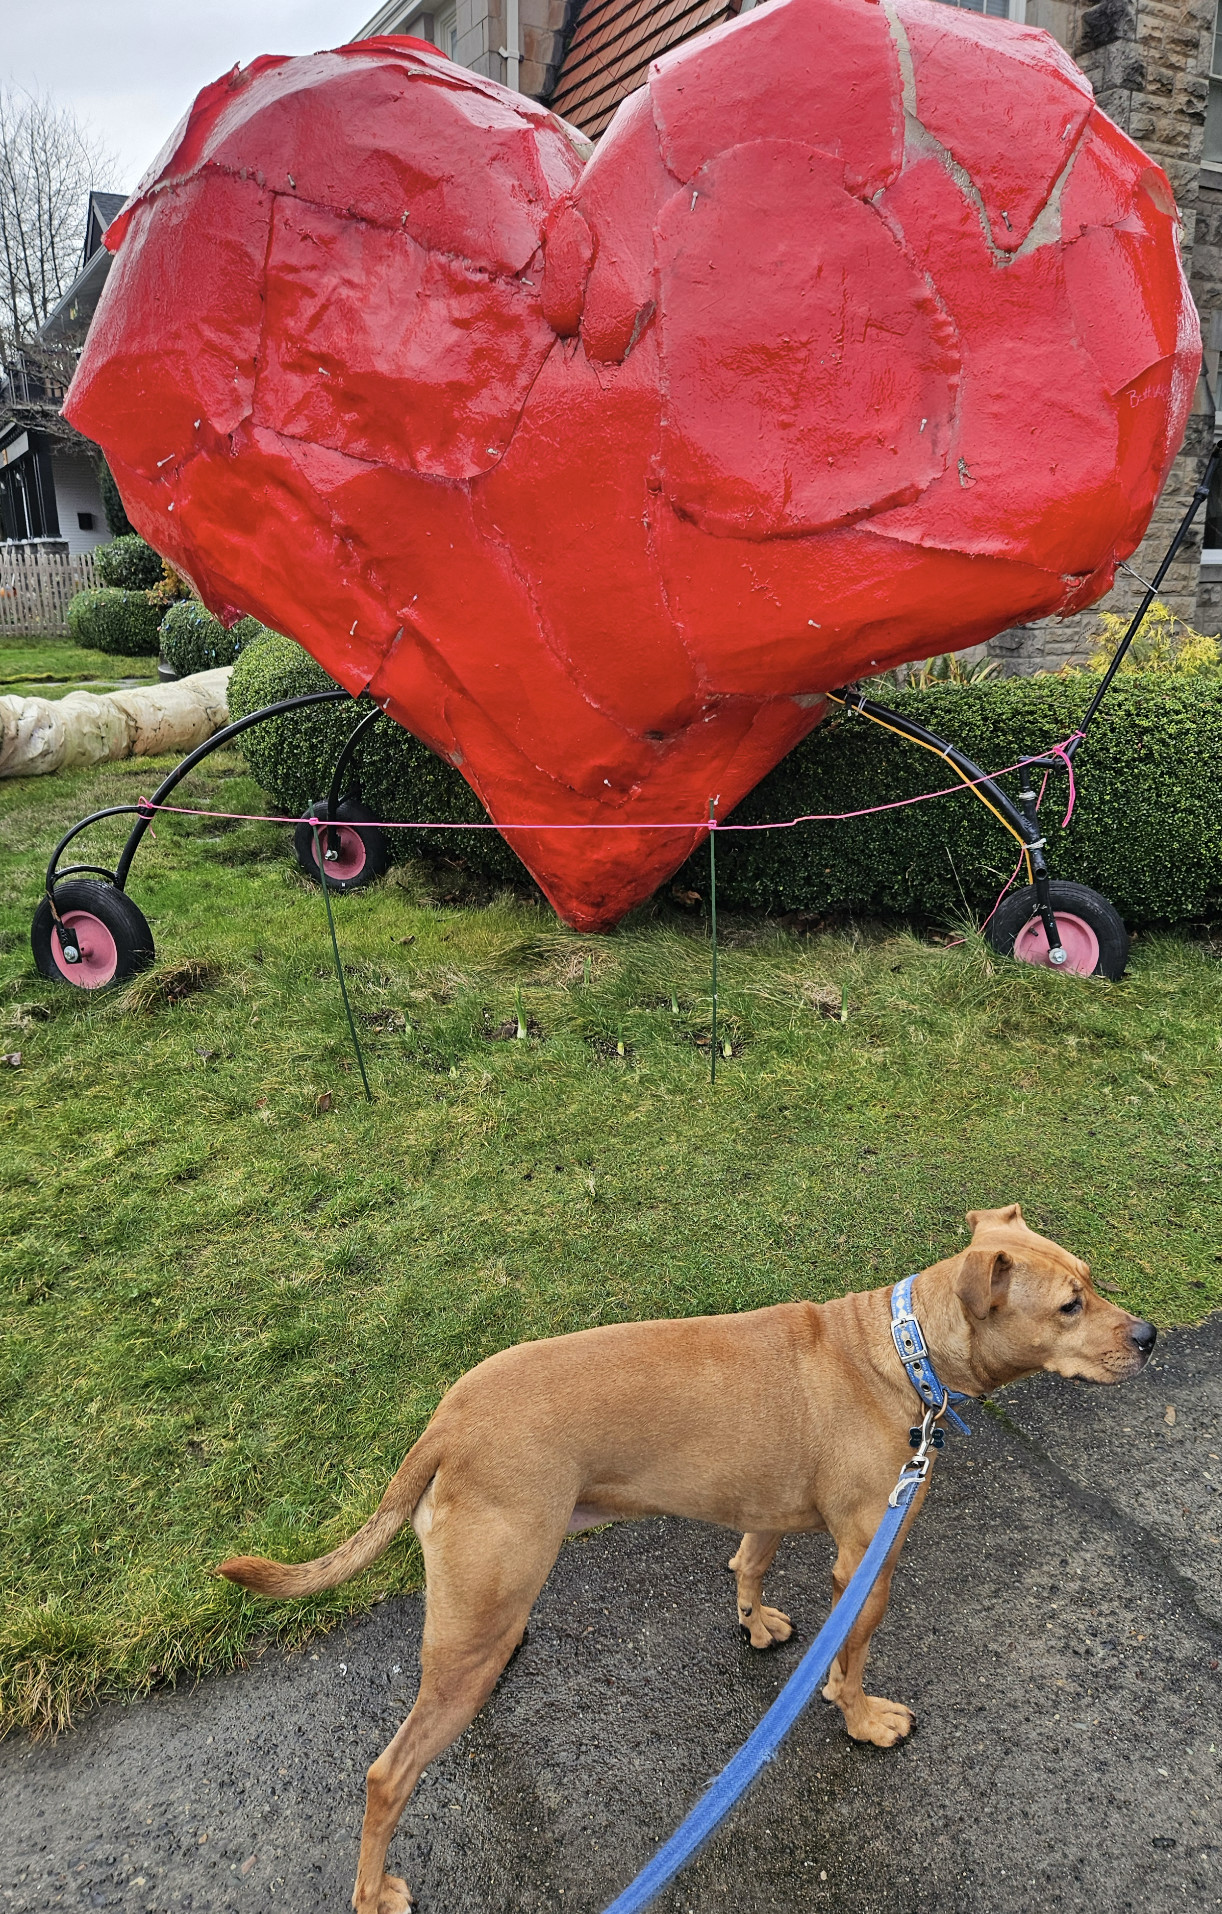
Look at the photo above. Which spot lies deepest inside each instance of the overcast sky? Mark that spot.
(132, 67)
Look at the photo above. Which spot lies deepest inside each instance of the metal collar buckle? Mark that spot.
(913, 1352)
(909, 1343)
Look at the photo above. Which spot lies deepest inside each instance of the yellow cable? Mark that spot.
(962, 775)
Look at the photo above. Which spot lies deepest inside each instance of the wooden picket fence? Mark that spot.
(35, 588)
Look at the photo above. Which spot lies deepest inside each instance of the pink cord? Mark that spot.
(147, 807)
(1061, 751)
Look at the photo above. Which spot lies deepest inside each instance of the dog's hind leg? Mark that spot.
(483, 1572)
(766, 1627)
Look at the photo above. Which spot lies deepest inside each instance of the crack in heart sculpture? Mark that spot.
(862, 335)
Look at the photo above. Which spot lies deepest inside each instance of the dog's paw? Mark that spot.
(764, 1627)
(393, 1897)
(880, 1722)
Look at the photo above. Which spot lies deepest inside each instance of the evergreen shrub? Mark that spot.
(193, 640)
(117, 521)
(398, 777)
(121, 622)
(128, 564)
(1147, 830)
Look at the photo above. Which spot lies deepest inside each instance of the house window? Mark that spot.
(447, 31)
(998, 9)
(1213, 113)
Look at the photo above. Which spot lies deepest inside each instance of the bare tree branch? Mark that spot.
(49, 163)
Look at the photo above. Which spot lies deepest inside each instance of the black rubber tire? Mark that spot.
(361, 825)
(114, 910)
(1075, 900)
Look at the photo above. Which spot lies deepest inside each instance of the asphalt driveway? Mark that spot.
(1057, 1624)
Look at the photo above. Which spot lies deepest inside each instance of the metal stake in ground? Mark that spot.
(713, 933)
(321, 862)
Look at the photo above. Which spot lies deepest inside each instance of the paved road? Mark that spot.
(1057, 1625)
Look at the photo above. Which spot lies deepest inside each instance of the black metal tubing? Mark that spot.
(1185, 526)
(201, 751)
(344, 759)
(143, 812)
(1020, 817)
(1022, 826)
(95, 817)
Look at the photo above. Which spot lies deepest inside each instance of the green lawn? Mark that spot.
(36, 667)
(233, 1291)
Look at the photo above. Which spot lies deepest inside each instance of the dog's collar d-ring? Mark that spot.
(913, 1352)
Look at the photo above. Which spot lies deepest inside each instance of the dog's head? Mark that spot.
(1028, 1304)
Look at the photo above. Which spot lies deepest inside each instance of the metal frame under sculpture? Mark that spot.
(862, 335)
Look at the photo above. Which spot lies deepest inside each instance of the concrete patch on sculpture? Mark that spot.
(862, 335)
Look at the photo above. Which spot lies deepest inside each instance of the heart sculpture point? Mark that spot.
(862, 335)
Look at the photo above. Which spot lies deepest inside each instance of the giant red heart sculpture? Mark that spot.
(862, 335)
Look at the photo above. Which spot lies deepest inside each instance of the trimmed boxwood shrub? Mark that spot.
(193, 640)
(122, 622)
(398, 777)
(128, 564)
(1147, 831)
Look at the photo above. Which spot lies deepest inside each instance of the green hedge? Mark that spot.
(193, 640)
(128, 564)
(1147, 831)
(124, 622)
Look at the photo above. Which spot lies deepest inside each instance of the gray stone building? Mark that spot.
(1156, 66)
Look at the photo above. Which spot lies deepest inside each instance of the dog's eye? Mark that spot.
(1072, 1309)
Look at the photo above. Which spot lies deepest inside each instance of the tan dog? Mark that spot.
(784, 1419)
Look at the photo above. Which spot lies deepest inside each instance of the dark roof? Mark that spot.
(69, 318)
(103, 208)
(611, 46)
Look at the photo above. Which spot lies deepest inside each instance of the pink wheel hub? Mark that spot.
(99, 952)
(349, 859)
(1078, 940)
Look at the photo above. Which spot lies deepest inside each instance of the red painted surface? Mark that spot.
(863, 335)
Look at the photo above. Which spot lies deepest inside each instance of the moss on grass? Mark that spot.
(228, 1309)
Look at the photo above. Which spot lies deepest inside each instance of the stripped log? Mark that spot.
(41, 735)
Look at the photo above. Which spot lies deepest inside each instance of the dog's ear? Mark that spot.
(1011, 1214)
(984, 1280)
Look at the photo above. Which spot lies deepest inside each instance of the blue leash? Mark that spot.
(812, 1671)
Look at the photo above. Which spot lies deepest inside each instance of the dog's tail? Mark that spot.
(282, 1580)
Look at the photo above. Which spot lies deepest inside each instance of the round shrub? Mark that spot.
(398, 778)
(193, 640)
(121, 622)
(128, 564)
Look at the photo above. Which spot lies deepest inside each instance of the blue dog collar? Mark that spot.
(911, 1348)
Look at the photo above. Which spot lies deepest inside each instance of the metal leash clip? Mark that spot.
(928, 1437)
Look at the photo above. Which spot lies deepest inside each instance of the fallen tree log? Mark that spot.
(42, 735)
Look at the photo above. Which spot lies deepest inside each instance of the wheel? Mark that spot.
(356, 859)
(110, 935)
(1093, 935)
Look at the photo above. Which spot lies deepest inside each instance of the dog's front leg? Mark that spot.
(867, 1717)
(766, 1627)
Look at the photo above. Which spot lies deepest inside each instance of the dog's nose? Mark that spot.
(1144, 1335)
